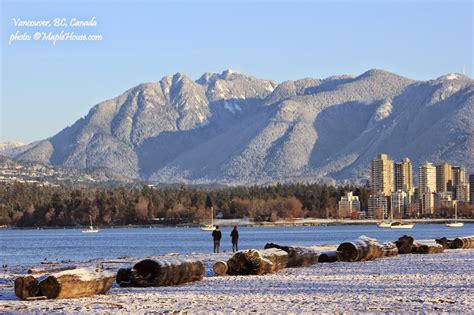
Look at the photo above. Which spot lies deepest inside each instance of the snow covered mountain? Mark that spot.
(235, 129)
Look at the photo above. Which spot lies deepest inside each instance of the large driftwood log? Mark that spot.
(328, 257)
(257, 262)
(426, 247)
(362, 249)
(404, 244)
(463, 242)
(26, 287)
(297, 256)
(76, 283)
(389, 249)
(163, 272)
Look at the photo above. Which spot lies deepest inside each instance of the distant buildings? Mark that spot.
(444, 178)
(348, 204)
(403, 175)
(399, 201)
(377, 206)
(382, 175)
(439, 187)
(426, 178)
(462, 192)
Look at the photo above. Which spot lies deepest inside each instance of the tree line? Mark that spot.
(27, 205)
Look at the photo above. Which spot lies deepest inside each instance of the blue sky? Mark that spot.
(46, 87)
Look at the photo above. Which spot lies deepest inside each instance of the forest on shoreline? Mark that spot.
(32, 205)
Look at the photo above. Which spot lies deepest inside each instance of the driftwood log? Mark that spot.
(463, 242)
(257, 262)
(362, 249)
(297, 256)
(389, 249)
(220, 268)
(404, 244)
(26, 287)
(443, 241)
(328, 257)
(426, 247)
(76, 283)
(163, 272)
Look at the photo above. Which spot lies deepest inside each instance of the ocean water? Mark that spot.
(28, 247)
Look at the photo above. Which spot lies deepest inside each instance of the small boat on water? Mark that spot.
(384, 224)
(455, 223)
(401, 225)
(91, 228)
(395, 224)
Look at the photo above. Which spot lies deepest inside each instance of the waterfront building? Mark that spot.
(348, 204)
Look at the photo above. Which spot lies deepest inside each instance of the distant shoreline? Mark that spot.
(246, 223)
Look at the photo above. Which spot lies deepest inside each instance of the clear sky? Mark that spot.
(46, 87)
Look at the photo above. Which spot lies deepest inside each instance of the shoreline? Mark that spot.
(246, 223)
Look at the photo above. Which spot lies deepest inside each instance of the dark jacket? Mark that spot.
(235, 235)
(217, 235)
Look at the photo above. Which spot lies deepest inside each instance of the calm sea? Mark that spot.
(24, 247)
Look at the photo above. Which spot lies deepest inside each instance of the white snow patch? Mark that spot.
(384, 110)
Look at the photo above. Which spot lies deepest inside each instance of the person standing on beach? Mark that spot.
(217, 235)
(235, 239)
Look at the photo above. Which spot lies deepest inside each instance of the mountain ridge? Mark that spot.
(231, 128)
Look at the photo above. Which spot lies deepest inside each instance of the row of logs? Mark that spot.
(457, 243)
(81, 282)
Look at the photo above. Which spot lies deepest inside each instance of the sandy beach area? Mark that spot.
(406, 283)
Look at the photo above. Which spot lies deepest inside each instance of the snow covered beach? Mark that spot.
(407, 283)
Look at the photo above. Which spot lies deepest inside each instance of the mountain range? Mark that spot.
(232, 128)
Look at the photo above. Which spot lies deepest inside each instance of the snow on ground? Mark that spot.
(407, 283)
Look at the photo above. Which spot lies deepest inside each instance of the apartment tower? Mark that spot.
(444, 178)
(382, 175)
(403, 175)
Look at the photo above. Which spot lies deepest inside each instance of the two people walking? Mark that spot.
(217, 236)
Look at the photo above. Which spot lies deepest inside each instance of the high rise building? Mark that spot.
(426, 179)
(459, 178)
(444, 178)
(471, 188)
(382, 175)
(348, 204)
(404, 175)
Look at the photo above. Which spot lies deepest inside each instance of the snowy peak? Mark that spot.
(236, 129)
